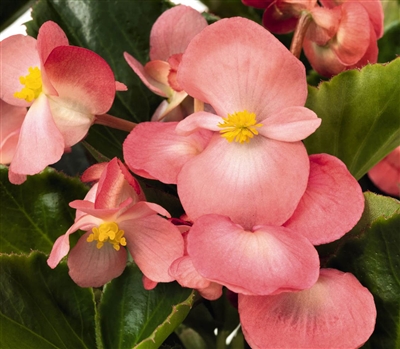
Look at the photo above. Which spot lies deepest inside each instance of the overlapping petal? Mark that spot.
(337, 312)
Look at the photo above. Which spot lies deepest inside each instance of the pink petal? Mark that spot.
(173, 102)
(332, 204)
(277, 22)
(155, 149)
(142, 209)
(173, 31)
(93, 173)
(183, 271)
(119, 86)
(258, 3)
(11, 119)
(154, 244)
(260, 182)
(93, 267)
(18, 53)
(290, 125)
(337, 312)
(61, 246)
(324, 25)
(40, 142)
(148, 284)
(233, 62)
(199, 120)
(264, 261)
(371, 55)
(154, 85)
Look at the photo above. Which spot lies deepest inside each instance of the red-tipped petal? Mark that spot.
(337, 312)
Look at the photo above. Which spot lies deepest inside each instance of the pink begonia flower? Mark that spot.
(343, 35)
(113, 217)
(64, 88)
(169, 37)
(337, 312)
(281, 16)
(257, 89)
(11, 119)
(386, 174)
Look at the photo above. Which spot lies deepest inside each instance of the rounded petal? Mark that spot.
(93, 267)
(18, 53)
(236, 65)
(40, 142)
(265, 261)
(183, 271)
(154, 244)
(173, 31)
(199, 120)
(155, 150)
(260, 182)
(290, 125)
(337, 312)
(332, 204)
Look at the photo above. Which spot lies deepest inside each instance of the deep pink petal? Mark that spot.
(332, 204)
(61, 246)
(260, 182)
(258, 3)
(93, 267)
(154, 244)
(11, 119)
(277, 22)
(236, 65)
(261, 262)
(337, 312)
(173, 31)
(40, 142)
(18, 53)
(290, 125)
(158, 150)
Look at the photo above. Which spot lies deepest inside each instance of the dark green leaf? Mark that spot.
(360, 116)
(389, 44)
(371, 252)
(34, 214)
(109, 28)
(223, 8)
(43, 308)
(131, 317)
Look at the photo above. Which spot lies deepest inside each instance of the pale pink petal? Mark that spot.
(236, 65)
(386, 174)
(18, 53)
(171, 110)
(174, 100)
(174, 62)
(324, 25)
(142, 209)
(61, 246)
(199, 120)
(139, 70)
(290, 125)
(40, 142)
(119, 86)
(260, 182)
(212, 292)
(173, 31)
(154, 244)
(93, 173)
(183, 271)
(93, 267)
(371, 55)
(264, 261)
(337, 312)
(332, 204)
(164, 153)
(11, 119)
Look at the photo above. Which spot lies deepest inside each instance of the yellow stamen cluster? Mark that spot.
(107, 232)
(239, 127)
(32, 83)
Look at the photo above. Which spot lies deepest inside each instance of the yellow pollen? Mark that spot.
(239, 127)
(107, 232)
(32, 85)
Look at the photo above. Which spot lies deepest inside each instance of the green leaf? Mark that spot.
(34, 214)
(231, 8)
(132, 317)
(109, 27)
(371, 252)
(360, 116)
(389, 44)
(43, 308)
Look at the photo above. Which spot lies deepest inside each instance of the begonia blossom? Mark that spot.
(63, 86)
(11, 119)
(386, 174)
(337, 312)
(114, 216)
(169, 37)
(251, 146)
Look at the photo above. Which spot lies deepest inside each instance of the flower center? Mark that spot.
(239, 127)
(32, 85)
(107, 232)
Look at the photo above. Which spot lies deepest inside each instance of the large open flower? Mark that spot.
(63, 86)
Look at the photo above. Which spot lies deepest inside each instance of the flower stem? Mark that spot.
(300, 33)
(198, 105)
(114, 122)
